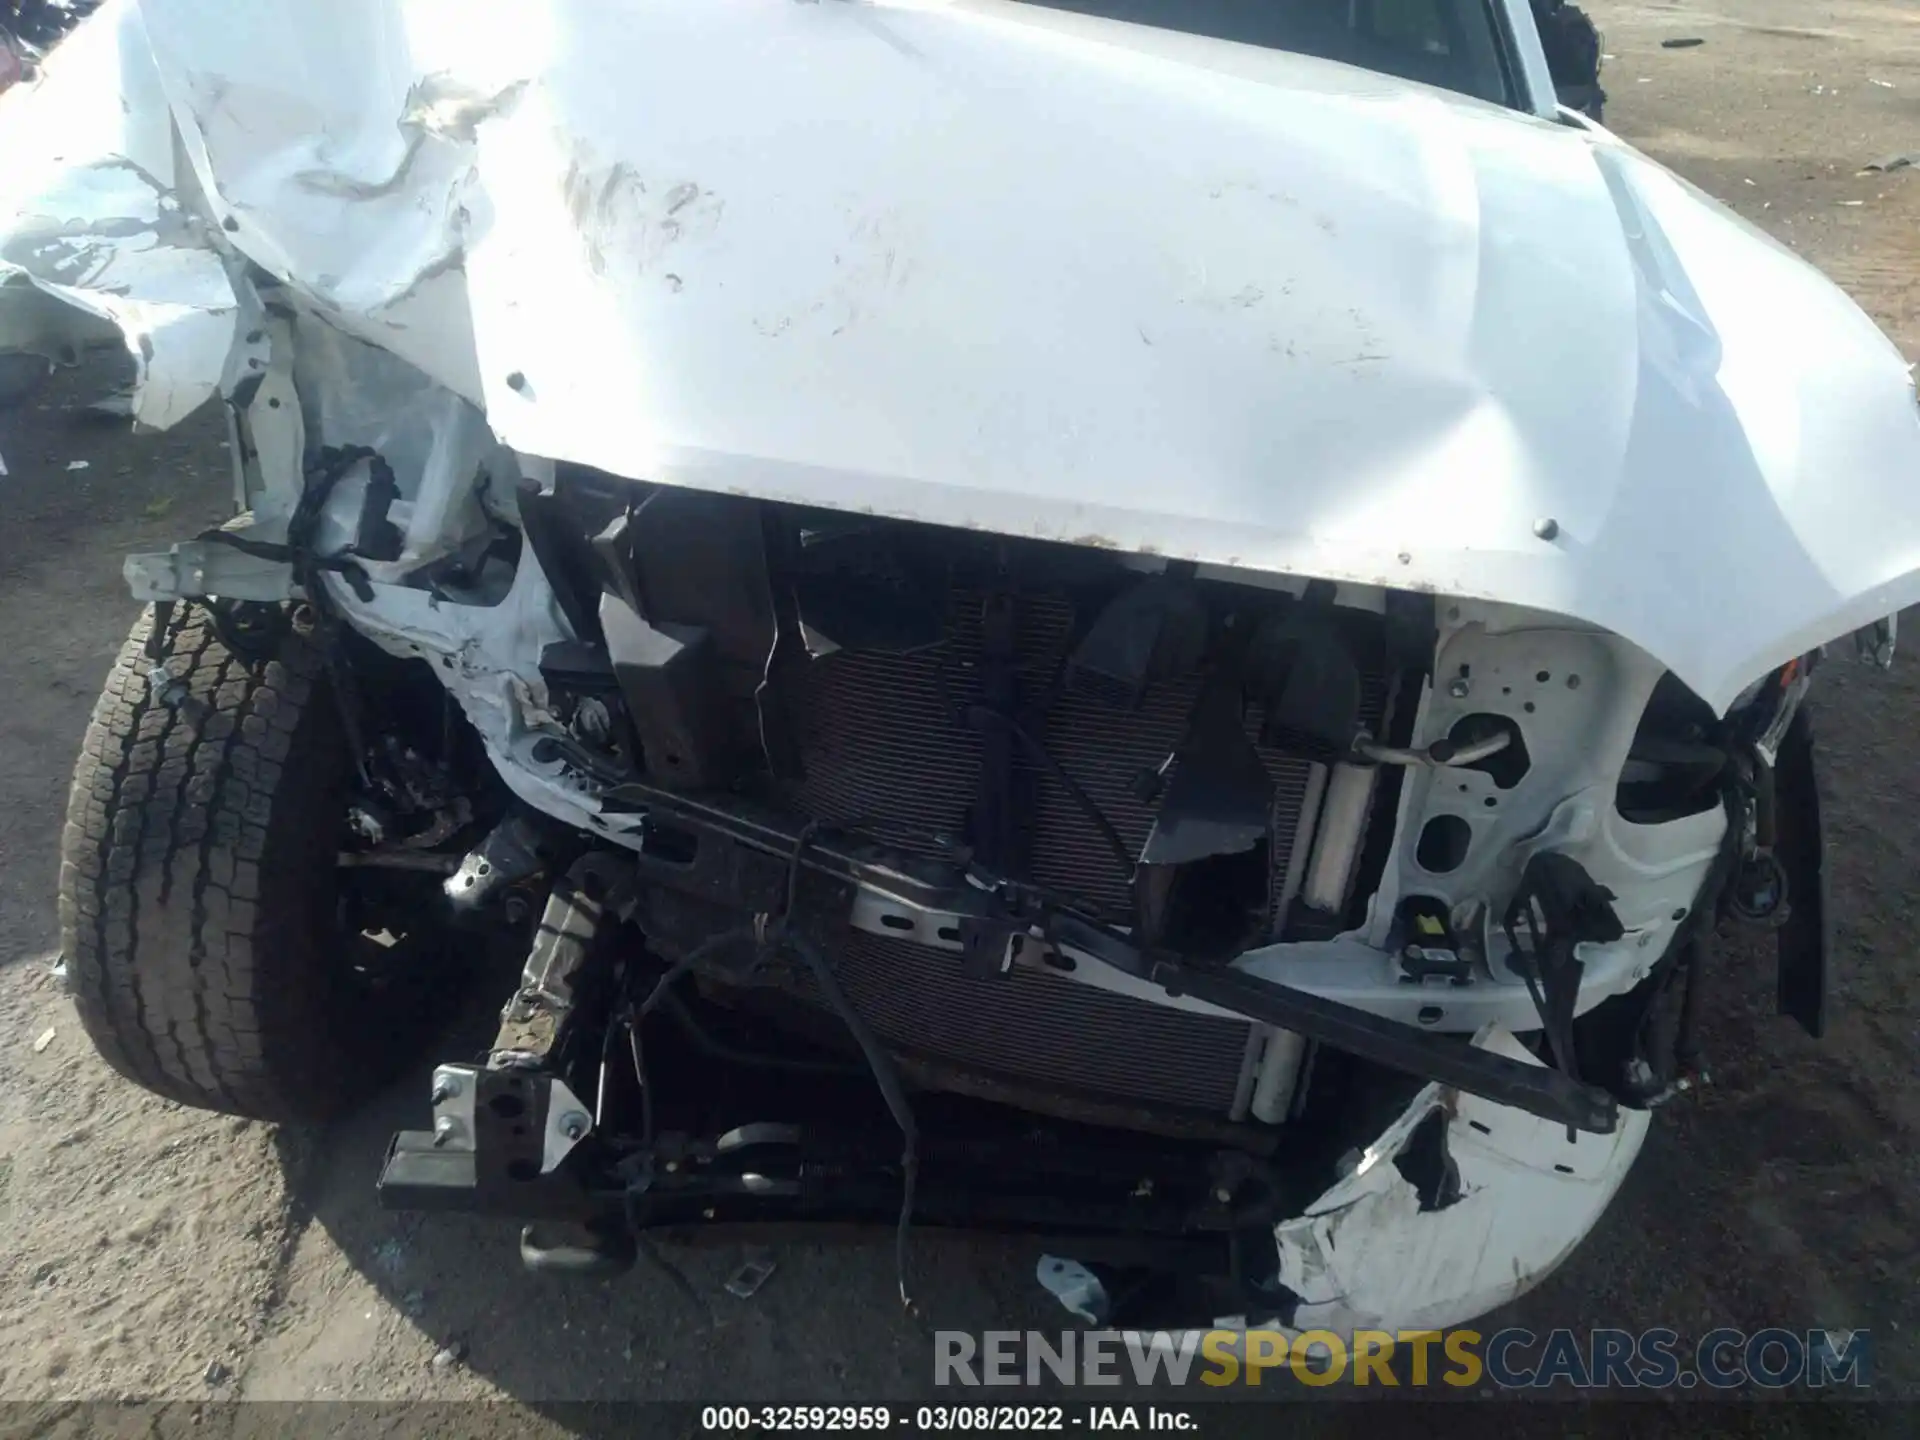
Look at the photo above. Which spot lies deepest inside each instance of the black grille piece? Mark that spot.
(885, 746)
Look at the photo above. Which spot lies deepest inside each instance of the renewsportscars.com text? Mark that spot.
(1510, 1359)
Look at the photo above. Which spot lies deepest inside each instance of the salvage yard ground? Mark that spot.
(147, 1250)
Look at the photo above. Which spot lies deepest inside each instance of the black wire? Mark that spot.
(640, 1074)
(800, 843)
(601, 1080)
(771, 932)
(1559, 1040)
(686, 962)
(1686, 1038)
(720, 1050)
(679, 968)
(1694, 935)
(776, 930)
(891, 1090)
(1066, 782)
(1530, 970)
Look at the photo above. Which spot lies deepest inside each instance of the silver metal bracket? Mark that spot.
(195, 568)
(1875, 643)
(1768, 745)
(457, 1087)
(568, 1123)
(454, 1088)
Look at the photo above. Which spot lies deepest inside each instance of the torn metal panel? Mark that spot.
(451, 470)
(98, 222)
(479, 651)
(1547, 682)
(1374, 1253)
(1458, 1206)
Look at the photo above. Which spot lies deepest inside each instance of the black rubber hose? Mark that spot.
(654, 998)
(720, 1050)
(686, 962)
(891, 1090)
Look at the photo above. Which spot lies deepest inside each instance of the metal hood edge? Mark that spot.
(987, 266)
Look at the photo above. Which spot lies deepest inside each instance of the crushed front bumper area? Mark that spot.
(612, 1103)
(1458, 1205)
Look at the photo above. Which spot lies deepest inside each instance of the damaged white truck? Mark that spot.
(1166, 626)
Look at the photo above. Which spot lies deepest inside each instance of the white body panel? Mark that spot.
(992, 266)
(976, 264)
(1366, 1256)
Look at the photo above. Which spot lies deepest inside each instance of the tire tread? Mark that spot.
(179, 979)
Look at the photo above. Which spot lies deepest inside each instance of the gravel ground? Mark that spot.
(151, 1251)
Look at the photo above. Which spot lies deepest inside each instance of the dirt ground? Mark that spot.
(145, 1248)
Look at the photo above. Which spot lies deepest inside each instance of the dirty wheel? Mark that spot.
(200, 907)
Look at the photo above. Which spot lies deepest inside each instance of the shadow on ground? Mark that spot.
(828, 1323)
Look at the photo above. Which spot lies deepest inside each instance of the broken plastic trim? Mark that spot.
(1455, 1207)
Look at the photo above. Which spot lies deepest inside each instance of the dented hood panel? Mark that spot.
(95, 241)
(987, 265)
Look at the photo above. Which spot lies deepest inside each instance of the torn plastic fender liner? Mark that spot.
(1370, 1254)
(98, 243)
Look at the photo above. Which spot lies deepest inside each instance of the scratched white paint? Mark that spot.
(1365, 1256)
(92, 220)
(989, 265)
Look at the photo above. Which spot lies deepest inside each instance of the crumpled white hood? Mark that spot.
(987, 265)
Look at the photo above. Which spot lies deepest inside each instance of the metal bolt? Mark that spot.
(516, 381)
(1547, 528)
(708, 1213)
(574, 1124)
(1458, 687)
(444, 1129)
(445, 1087)
(1223, 1195)
(673, 1166)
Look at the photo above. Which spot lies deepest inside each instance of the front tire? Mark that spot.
(199, 910)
